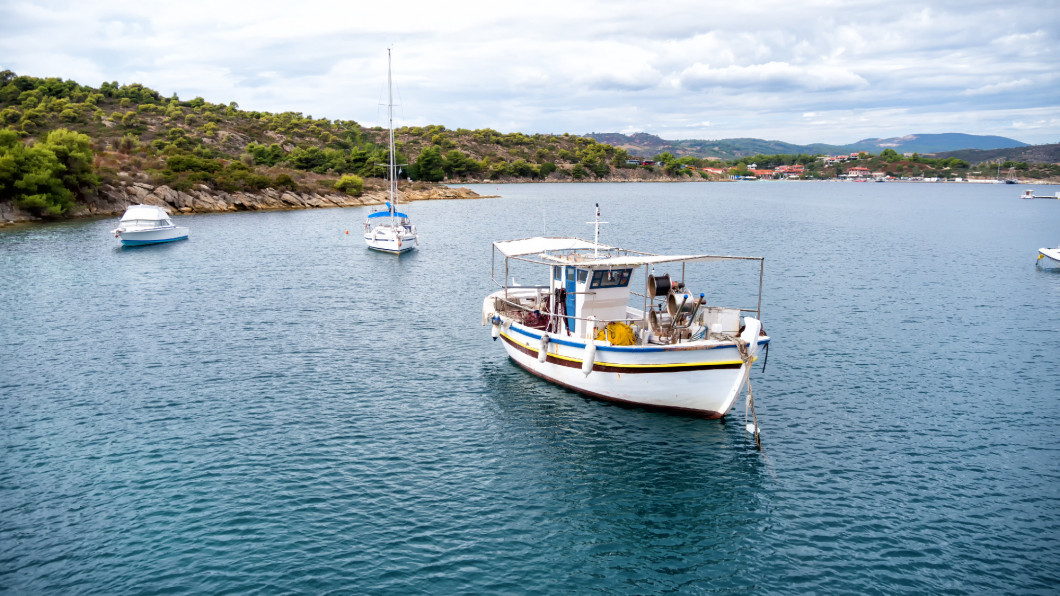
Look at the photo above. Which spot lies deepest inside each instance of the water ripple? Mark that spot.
(303, 416)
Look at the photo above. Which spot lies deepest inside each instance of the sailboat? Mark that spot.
(390, 230)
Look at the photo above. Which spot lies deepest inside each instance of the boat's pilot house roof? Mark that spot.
(575, 251)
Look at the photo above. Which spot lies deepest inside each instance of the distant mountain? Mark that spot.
(648, 145)
(1049, 154)
(934, 143)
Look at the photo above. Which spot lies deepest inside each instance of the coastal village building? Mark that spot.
(793, 171)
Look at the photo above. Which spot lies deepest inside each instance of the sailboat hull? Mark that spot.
(386, 239)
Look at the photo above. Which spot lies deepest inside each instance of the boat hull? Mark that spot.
(154, 236)
(702, 380)
(1049, 257)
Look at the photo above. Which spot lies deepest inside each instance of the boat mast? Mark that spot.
(392, 167)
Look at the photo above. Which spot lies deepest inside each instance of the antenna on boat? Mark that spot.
(596, 232)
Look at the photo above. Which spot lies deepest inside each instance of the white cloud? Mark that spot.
(772, 76)
(856, 68)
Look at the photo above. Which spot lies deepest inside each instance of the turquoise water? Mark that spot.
(269, 407)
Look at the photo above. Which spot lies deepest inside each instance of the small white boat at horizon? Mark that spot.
(147, 224)
(587, 330)
(1048, 257)
(390, 231)
(1029, 194)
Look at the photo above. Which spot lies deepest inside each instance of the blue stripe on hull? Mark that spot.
(393, 252)
(634, 349)
(146, 242)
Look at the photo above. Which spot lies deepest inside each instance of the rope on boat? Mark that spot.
(750, 403)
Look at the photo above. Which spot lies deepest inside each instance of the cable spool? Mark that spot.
(679, 304)
(660, 322)
(659, 285)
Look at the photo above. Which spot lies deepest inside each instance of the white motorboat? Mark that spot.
(390, 230)
(1029, 194)
(1048, 257)
(589, 331)
(147, 224)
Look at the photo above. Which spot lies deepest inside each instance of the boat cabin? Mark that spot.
(580, 292)
(592, 285)
(145, 217)
(384, 217)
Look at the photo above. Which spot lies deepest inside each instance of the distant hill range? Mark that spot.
(1029, 154)
(648, 145)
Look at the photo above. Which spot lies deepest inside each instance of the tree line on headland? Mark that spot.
(59, 141)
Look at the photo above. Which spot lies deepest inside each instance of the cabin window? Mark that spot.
(557, 273)
(617, 278)
(582, 275)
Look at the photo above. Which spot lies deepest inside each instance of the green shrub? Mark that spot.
(351, 185)
(284, 181)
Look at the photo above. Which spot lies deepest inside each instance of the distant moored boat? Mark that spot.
(147, 224)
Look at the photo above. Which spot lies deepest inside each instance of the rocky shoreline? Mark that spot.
(113, 199)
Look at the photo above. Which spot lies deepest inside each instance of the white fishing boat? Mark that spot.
(390, 230)
(147, 224)
(1048, 257)
(589, 331)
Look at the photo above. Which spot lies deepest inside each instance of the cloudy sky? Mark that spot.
(832, 71)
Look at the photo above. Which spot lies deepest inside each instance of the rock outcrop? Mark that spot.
(112, 199)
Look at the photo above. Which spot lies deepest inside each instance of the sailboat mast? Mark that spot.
(390, 123)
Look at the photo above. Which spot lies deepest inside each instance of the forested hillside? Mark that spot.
(60, 141)
(133, 132)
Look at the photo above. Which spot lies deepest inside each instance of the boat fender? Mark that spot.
(589, 357)
(752, 328)
(496, 330)
(542, 351)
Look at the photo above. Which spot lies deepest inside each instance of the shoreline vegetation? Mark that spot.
(113, 199)
(68, 150)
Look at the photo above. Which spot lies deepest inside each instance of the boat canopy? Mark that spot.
(387, 214)
(541, 246)
(147, 212)
(529, 246)
(609, 262)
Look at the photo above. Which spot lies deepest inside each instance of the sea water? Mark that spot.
(268, 407)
